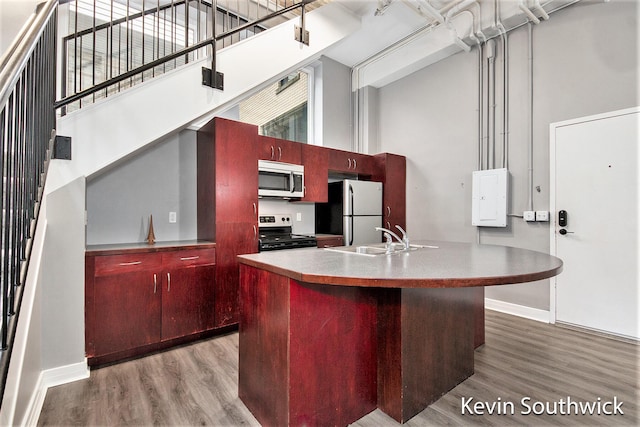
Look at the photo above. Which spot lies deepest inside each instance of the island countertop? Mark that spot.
(440, 264)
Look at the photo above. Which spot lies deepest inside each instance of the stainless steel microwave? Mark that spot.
(278, 179)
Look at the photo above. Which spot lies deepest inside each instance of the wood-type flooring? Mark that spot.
(197, 384)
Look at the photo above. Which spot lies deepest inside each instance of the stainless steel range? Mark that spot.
(276, 233)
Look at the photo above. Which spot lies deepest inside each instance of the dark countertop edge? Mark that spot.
(381, 282)
(144, 247)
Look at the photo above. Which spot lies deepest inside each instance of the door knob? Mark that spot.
(563, 231)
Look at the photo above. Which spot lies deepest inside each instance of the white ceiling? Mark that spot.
(369, 49)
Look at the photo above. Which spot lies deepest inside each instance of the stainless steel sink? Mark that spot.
(376, 249)
(360, 250)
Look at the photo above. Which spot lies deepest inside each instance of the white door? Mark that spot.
(594, 172)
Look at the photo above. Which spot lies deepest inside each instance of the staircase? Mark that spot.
(175, 100)
(49, 347)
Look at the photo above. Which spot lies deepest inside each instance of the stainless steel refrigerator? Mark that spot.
(354, 209)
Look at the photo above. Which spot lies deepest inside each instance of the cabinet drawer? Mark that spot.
(121, 264)
(189, 257)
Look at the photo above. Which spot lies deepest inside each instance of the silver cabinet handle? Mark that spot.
(388, 224)
(168, 282)
(279, 153)
(355, 164)
(349, 160)
(273, 153)
(254, 208)
(255, 231)
(155, 282)
(388, 210)
(189, 258)
(124, 264)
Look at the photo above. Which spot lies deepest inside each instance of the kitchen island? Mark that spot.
(327, 336)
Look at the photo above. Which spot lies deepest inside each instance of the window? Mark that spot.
(281, 110)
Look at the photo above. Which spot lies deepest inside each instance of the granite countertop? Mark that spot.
(446, 264)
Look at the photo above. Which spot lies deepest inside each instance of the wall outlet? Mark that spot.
(173, 217)
(529, 215)
(299, 216)
(542, 216)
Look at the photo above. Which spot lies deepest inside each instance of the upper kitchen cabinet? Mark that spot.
(390, 169)
(355, 163)
(316, 165)
(227, 175)
(279, 150)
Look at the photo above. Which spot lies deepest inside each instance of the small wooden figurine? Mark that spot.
(151, 237)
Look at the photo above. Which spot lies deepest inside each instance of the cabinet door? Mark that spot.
(236, 239)
(188, 292)
(316, 177)
(391, 170)
(126, 311)
(345, 161)
(394, 200)
(227, 175)
(279, 150)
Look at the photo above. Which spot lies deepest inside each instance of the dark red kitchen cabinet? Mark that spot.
(390, 169)
(227, 182)
(188, 290)
(148, 298)
(279, 150)
(316, 176)
(355, 163)
(329, 241)
(236, 239)
(126, 291)
(227, 175)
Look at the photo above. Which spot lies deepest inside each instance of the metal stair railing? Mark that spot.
(27, 131)
(115, 44)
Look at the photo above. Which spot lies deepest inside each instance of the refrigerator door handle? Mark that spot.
(351, 231)
(351, 209)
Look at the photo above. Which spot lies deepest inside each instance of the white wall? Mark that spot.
(159, 180)
(335, 93)
(63, 269)
(13, 15)
(585, 62)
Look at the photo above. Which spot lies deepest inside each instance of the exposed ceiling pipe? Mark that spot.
(504, 36)
(537, 6)
(480, 105)
(523, 7)
(457, 9)
(491, 103)
(530, 142)
(382, 7)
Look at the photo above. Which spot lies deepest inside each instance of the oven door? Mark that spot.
(277, 179)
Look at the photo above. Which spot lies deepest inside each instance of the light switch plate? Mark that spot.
(529, 215)
(173, 217)
(542, 216)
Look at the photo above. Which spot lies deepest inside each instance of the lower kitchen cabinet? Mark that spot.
(127, 312)
(188, 292)
(329, 240)
(138, 302)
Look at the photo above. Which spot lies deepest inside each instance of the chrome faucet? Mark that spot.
(405, 238)
(404, 241)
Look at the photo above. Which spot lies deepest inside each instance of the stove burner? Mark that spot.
(277, 234)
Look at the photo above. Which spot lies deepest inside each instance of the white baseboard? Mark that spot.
(517, 310)
(52, 378)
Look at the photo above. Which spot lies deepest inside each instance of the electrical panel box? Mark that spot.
(489, 198)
